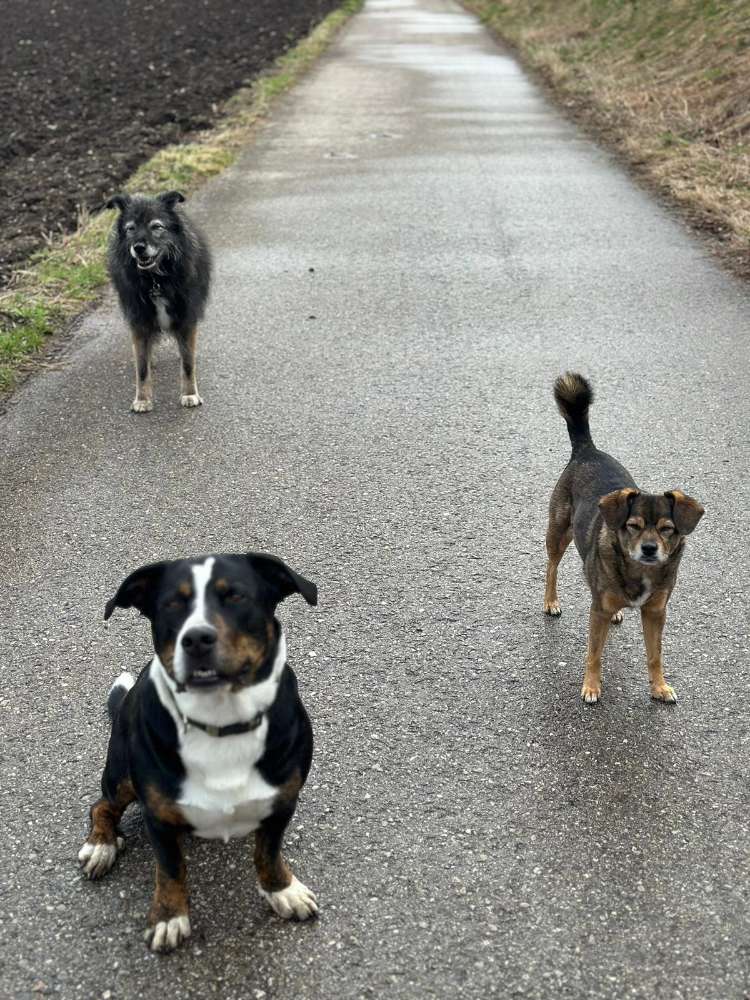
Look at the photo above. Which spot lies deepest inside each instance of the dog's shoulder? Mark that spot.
(289, 740)
(156, 765)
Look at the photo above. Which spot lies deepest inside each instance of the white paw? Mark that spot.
(591, 695)
(168, 934)
(616, 618)
(552, 608)
(97, 859)
(194, 400)
(294, 902)
(142, 405)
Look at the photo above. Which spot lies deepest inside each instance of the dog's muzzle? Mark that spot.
(199, 658)
(144, 261)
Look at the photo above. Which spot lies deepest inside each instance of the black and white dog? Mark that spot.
(213, 738)
(160, 265)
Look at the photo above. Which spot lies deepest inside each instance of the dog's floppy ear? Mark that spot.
(171, 198)
(120, 201)
(615, 506)
(282, 580)
(686, 512)
(137, 590)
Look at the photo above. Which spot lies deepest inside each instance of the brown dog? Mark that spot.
(631, 542)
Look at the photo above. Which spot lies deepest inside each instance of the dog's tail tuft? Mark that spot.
(574, 396)
(117, 693)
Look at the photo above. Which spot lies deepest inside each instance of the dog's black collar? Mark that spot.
(232, 730)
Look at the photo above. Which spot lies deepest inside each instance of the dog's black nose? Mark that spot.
(140, 248)
(199, 640)
(649, 548)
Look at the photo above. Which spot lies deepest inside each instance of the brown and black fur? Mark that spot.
(160, 266)
(631, 542)
(144, 761)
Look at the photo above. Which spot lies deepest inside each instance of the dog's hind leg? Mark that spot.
(559, 537)
(144, 397)
(103, 843)
(288, 897)
(187, 344)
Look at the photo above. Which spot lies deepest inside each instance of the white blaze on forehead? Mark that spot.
(197, 617)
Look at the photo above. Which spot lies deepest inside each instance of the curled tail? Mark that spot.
(117, 693)
(574, 396)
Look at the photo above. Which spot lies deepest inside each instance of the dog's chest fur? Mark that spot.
(223, 794)
(162, 312)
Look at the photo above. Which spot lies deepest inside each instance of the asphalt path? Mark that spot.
(407, 255)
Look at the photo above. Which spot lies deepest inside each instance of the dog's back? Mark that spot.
(590, 473)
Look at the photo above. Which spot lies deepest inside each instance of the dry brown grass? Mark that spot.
(666, 81)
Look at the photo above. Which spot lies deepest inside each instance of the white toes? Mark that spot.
(97, 859)
(296, 902)
(193, 400)
(168, 934)
(617, 618)
(142, 405)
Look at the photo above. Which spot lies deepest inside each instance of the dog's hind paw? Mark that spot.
(166, 935)
(192, 400)
(552, 608)
(296, 902)
(142, 405)
(663, 692)
(617, 617)
(97, 859)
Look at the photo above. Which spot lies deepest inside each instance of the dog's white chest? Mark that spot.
(223, 794)
(639, 601)
(162, 313)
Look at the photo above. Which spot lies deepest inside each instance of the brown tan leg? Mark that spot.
(102, 844)
(189, 383)
(653, 617)
(557, 543)
(168, 919)
(288, 897)
(599, 621)
(144, 396)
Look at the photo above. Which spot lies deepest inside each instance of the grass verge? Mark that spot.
(69, 274)
(665, 83)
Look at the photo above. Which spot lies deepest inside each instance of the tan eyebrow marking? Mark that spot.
(186, 589)
(221, 586)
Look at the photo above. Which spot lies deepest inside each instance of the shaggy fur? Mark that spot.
(160, 265)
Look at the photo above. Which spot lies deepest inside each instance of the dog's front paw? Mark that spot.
(617, 617)
(96, 859)
(591, 693)
(192, 400)
(552, 608)
(166, 935)
(142, 405)
(663, 692)
(296, 902)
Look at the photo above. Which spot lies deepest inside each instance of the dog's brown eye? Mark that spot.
(129, 227)
(176, 603)
(633, 526)
(233, 597)
(666, 529)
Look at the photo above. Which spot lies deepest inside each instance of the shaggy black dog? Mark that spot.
(160, 265)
